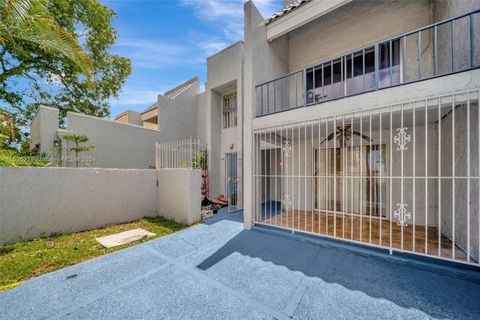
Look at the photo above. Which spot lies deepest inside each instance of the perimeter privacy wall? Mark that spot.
(117, 144)
(38, 202)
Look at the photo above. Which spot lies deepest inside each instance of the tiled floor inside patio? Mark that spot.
(363, 229)
(221, 271)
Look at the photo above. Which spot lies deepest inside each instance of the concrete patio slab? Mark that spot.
(169, 291)
(255, 267)
(220, 271)
(45, 296)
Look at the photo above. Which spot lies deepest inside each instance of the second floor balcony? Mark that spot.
(439, 49)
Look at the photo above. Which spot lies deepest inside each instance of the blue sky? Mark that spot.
(168, 41)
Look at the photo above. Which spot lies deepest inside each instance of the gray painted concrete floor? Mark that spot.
(220, 271)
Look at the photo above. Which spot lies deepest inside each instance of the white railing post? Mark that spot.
(177, 154)
(156, 155)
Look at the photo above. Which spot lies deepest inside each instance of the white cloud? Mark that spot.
(229, 13)
(208, 44)
(152, 54)
(135, 97)
(214, 9)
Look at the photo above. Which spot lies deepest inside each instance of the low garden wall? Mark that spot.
(38, 202)
(178, 185)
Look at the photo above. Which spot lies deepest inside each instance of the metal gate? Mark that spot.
(232, 182)
(403, 177)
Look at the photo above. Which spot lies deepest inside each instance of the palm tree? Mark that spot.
(30, 20)
(77, 139)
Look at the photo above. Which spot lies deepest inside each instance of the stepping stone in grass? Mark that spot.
(125, 237)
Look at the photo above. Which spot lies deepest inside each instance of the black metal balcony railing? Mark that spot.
(443, 48)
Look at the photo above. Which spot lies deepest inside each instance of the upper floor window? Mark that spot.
(229, 110)
(354, 73)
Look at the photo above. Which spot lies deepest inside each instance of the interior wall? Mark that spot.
(271, 186)
(457, 194)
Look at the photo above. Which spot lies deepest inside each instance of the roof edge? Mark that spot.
(225, 49)
(185, 85)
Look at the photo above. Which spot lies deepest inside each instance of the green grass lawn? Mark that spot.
(24, 260)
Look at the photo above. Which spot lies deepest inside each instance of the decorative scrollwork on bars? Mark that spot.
(286, 202)
(402, 138)
(286, 148)
(402, 214)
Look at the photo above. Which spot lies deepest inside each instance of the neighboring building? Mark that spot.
(352, 119)
(128, 142)
(131, 117)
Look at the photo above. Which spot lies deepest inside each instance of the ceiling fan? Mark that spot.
(344, 134)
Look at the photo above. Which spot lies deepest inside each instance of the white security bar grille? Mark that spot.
(403, 177)
(187, 153)
(233, 183)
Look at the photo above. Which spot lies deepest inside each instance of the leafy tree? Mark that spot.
(77, 139)
(10, 157)
(7, 128)
(30, 21)
(32, 73)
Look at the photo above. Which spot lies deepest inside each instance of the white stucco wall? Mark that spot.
(38, 202)
(225, 76)
(178, 117)
(43, 130)
(179, 196)
(444, 9)
(117, 145)
(263, 61)
(42, 201)
(201, 118)
(457, 195)
(354, 25)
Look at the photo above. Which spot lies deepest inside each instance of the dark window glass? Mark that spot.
(349, 66)
(337, 71)
(396, 52)
(358, 64)
(385, 54)
(370, 60)
(309, 79)
(318, 76)
(327, 74)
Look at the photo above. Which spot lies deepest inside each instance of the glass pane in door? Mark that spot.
(349, 180)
